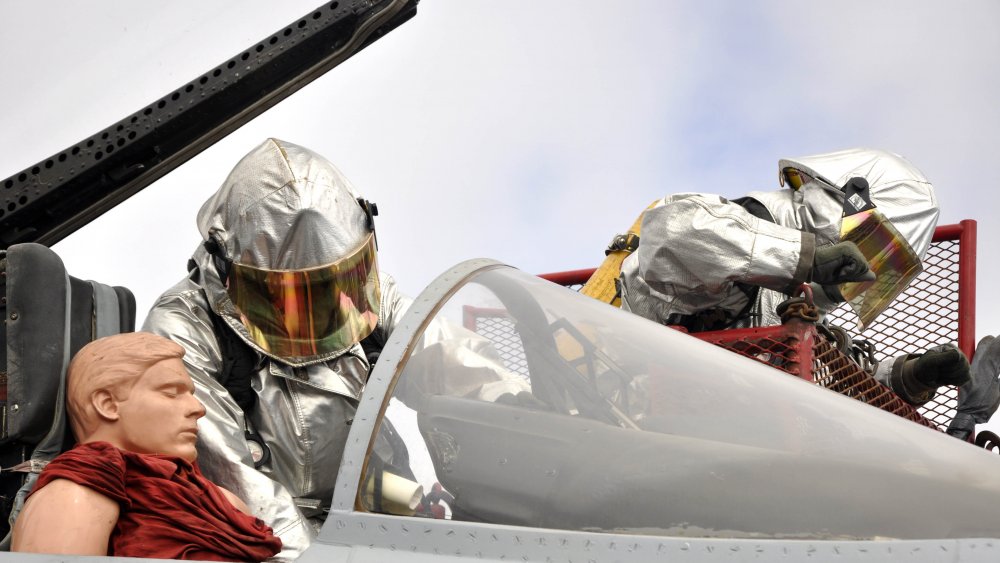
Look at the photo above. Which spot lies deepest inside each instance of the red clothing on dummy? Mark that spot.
(169, 510)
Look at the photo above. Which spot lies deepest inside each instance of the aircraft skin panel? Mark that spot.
(8, 557)
(376, 538)
(369, 538)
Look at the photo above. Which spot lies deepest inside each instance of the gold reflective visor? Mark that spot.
(889, 255)
(305, 313)
(795, 177)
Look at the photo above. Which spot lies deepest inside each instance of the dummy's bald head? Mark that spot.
(113, 363)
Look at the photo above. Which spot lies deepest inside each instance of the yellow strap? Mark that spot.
(601, 285)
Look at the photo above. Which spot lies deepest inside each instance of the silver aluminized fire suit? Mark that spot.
(283, 207)
(304, 422)
(696, 249)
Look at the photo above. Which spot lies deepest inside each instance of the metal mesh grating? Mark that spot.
(938, 307)
(498, 328)
(924, 315)
(798, 349)
(801, 350)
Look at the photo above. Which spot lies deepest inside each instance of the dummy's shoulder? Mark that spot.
(95, 465)
(87, 452)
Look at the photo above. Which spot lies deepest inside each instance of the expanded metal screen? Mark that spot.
(802, 349)
(497, 326)
(938, 307)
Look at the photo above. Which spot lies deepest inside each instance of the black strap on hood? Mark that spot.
(239, 361)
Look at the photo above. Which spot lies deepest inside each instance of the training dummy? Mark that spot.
(130, 487)
(708, 263)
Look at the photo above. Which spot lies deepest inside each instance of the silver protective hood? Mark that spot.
(898, 189)
(284, 207)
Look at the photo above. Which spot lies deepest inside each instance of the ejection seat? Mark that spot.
(48, 316)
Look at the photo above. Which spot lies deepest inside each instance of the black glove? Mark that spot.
(839, 263)
(942, 365)
(916, 377)
(978, 399)
(830, 292)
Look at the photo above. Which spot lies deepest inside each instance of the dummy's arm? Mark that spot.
(235, 500)
(66, 518)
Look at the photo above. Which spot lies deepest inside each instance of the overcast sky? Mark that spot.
(526, 131)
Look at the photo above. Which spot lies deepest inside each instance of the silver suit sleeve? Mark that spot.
(694, 248)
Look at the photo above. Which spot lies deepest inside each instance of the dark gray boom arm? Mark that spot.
(50, 200)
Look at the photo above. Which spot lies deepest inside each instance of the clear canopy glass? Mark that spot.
(520, 402)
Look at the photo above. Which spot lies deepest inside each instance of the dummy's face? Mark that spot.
(160, 415)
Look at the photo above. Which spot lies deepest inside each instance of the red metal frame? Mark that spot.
(763, 342)
(798, 349)
(571, 277)
(964, 232)
(802, 334)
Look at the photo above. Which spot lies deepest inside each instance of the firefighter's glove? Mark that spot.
(839, 263)
(826, 297)
(942, 365)
(978, 399)
(916, 377)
